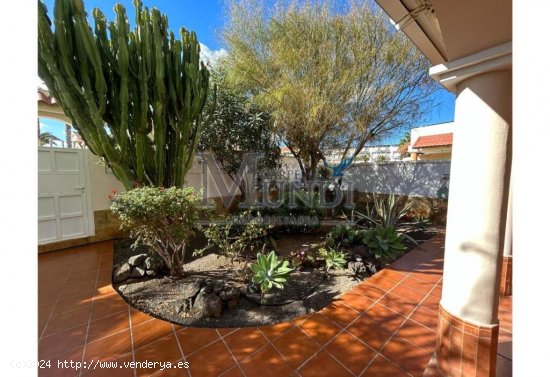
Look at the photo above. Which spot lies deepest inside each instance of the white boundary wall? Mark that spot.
(419, 178)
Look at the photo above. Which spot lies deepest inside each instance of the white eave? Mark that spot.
(423, 29)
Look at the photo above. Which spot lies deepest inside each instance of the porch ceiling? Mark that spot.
(456, 28)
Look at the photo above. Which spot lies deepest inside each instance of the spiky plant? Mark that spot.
(135, 96)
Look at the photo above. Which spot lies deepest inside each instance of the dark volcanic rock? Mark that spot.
(121, 273)
(137, 260)
(207, 305)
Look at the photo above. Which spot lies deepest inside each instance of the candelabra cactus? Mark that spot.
(135, 96)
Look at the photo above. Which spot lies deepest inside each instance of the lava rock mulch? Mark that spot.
(214, 292)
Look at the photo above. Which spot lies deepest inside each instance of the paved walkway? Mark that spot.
(383, 327)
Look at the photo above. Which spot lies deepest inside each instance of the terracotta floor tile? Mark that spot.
(505, 319)
(245, 342)
(436, 292)
(417, 284)
(369, 332)
(504, 367)
(226, 331)
(149, 331)
(105, 326)
(320, 328)
(369, 291)
(407, 293)
(405, 355)
(425, 317)
(104, 306)
(356, 301)
(211, 361)
(193, 339)
(323, 364)
(61, 342)
(351, 352)
(45, 311)
(109, 348)
(506, 303)
(236, 372)
(178, 370)
(266, 362)
(67, 320)
(431, 303)
(82, 277)
(419, 335)
(126, 370)
(81, 290)
(426, 274)
(163, 350)
(138, 317)
(70, 304)
(382, 367)
(382, 282)
(55, 371)
(296, 347)
(504, 343)
(387, 318)
(275, 331)
(397, 304)
(339, 313)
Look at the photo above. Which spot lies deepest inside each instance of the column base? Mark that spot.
(463, 349)
(506, 276)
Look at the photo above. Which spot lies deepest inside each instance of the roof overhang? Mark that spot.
(418, 21)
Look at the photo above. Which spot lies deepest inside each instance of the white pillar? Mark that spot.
(478, 196)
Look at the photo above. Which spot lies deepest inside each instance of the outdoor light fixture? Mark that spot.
(403, 22)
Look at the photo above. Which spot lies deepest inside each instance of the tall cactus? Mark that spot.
(135, 96)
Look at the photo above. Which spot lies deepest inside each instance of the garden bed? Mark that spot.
(307, 291)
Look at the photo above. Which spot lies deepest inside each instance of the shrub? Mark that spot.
(269, 272)
(236, 235)
(162, 219)
(306, 206)
(345, 235)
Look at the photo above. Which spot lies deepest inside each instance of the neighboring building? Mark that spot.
(433, 142)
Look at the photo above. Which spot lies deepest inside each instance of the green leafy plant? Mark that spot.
(333, 259)
(295, 207)
(235, 236)
(384, 242)
(386, 211)
(270, 272)
(345, 235)
(163, 219)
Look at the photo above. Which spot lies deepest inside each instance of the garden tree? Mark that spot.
(404, 143)
(235, 128)
(135, 96)
(47, 138)
(333, 75)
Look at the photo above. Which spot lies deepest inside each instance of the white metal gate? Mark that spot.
(64, 203)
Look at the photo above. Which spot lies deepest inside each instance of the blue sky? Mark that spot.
(206, 18)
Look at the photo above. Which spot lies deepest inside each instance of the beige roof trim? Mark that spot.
(423, 30)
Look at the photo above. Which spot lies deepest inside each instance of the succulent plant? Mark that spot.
(270, 272)
(333, 259)
(384, 242)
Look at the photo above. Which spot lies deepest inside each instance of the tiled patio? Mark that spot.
(386, 326)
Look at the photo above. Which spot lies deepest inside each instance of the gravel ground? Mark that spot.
(307, 291)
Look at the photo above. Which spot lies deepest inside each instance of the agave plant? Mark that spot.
(270, 272)
(384, 242)
(333, 259)
(386, 214)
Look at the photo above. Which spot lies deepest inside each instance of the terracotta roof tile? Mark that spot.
(434, 140)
